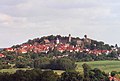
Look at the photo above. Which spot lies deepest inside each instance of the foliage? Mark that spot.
(113, 73)
(48, 75)
(42, 63)
(4, 66)
(62, 64)
(29, 75)
(71, 76)
(22, 62)
(113, 54)
(93, 75)
(86, 70)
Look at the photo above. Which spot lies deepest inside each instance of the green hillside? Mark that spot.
(106, 66)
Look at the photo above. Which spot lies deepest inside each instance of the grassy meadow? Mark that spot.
(13, 70)
(106, 66)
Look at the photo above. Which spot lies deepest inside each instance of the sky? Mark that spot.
(21, 20)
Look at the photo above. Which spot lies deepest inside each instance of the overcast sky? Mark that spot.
(21, 20)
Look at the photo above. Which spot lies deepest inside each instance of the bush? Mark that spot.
(4, 66)
(113, 73)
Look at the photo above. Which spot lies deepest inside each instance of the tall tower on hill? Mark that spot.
(69, 38)
(87, 41)
(85, 36)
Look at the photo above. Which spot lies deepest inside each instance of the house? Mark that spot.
(1, 55)
(96, 52)
(26, 45)
(106, 52)
(113, 79)
(61, 50)
(76, 49)
(70, 48)
(9, 49)
(46, 41)
(22, 51)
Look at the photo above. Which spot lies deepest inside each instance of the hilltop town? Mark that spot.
(62, 44)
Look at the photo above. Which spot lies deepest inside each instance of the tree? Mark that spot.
(33, 55)
(51, 37)
(42, 63)
(94, 74)
(62, 64)
(71, 76)
(113, 54)
(74, 43)
(4, 66)
(21, 65)
(10, 57)
(23, 61)
(107, 47)
(99, 45)
(113, 73)
(49, 76)
(86, 70)
(99, 75)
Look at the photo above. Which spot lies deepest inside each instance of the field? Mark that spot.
(13, 70)
(106, 66)
(59, 72)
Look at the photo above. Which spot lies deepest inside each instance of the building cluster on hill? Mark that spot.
(60, 44)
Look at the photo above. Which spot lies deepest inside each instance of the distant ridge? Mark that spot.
(1, 49)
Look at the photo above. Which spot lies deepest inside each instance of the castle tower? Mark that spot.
(69, 38)
(87, 41)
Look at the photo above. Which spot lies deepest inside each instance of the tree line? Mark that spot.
(71, 75)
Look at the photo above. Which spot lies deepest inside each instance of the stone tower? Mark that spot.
(87, 41)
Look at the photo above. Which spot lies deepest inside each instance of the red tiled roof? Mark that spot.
(1, 55)
(9, 49)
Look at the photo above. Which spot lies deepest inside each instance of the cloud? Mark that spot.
(48, 13)
(24, 19)
(11, 2)
(5, 19)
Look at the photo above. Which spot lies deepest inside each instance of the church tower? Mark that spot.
(57, 41)
(69, 38)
